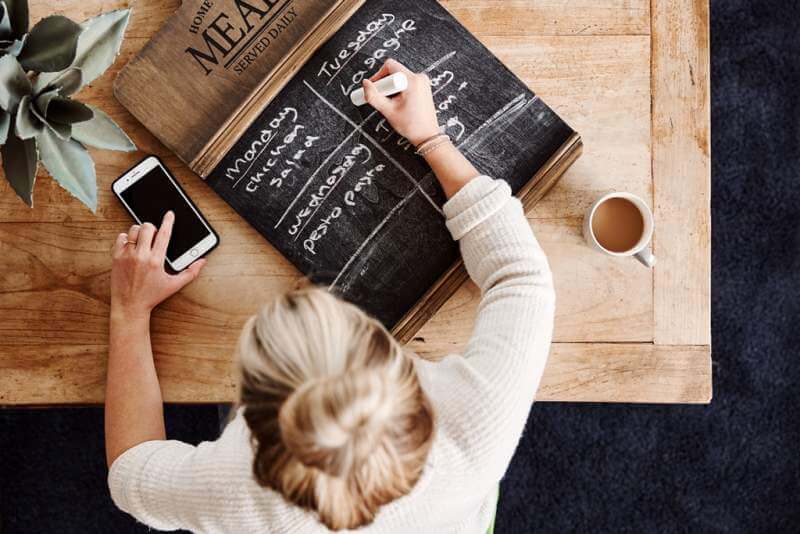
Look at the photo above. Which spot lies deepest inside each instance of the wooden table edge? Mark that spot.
(681, 171)
(635, 373)
(576, 372)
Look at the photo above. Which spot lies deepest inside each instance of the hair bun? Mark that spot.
(335, 423)
(339, 422)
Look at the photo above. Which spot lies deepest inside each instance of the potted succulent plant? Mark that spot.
(41, 68)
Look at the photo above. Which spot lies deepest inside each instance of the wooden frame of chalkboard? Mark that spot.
(208, 70)
(512, 135)
(233, 129)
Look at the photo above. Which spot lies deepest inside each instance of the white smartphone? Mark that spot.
(148, 191)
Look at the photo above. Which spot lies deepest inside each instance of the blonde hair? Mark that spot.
(339, 420)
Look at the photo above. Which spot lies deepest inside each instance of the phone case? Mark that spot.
(185, 194)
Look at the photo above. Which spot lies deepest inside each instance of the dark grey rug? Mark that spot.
(733, 466)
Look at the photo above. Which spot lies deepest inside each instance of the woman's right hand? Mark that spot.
(412, 113)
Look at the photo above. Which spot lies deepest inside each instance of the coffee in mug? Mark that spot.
(621, 224)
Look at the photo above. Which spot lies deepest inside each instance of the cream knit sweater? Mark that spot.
(481, 402)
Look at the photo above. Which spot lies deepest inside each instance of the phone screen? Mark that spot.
(151, 196)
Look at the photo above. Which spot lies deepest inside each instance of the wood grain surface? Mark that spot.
(581, 372)
(682, 172)
(590, 60)
(552, 17)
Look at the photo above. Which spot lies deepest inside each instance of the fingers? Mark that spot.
(393, 66)
(375, 99)
(390, 66)
(164, 233)
(144, 243)
(119, 245)
(185, 277)
(133, 233)
(382, 73)
(423, 79)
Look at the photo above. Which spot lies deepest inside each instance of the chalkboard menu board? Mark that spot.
(341, 194)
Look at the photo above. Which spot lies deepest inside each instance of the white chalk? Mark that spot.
(388, 86)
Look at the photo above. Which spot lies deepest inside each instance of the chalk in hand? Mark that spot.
(388, 86)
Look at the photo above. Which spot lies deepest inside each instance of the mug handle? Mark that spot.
(645, 256)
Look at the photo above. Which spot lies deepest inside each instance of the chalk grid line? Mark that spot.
(324, 163)
(513, 108)
(377, 145)
(321, 202)
(357, 51)
(431, 67)
(249, 167)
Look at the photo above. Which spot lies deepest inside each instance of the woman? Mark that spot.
(338, 427)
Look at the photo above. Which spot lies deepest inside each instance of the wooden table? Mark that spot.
(631, 76)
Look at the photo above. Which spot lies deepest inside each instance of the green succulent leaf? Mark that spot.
(5, 23)
(51, 45)
(102, 132)
(67, 82)
(18, 13)
(67, 111)
(5, 125)
(20, 162)
(98, 45)
(15, 47)
(42, 101)
(70, 164)
(39, 108)
(100, 42)
(27, 124)
(13, 83)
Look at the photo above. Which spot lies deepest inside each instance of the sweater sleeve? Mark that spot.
(171, 485)
(147, 480)
(506, 355)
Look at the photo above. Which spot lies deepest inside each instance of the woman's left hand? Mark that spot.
(139, 281)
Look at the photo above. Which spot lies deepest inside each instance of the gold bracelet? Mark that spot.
(421, 147)
(428, 149)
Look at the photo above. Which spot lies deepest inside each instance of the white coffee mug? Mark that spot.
(641, 250)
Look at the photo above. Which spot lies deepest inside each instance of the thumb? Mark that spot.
(185, 277)
(375, 99)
